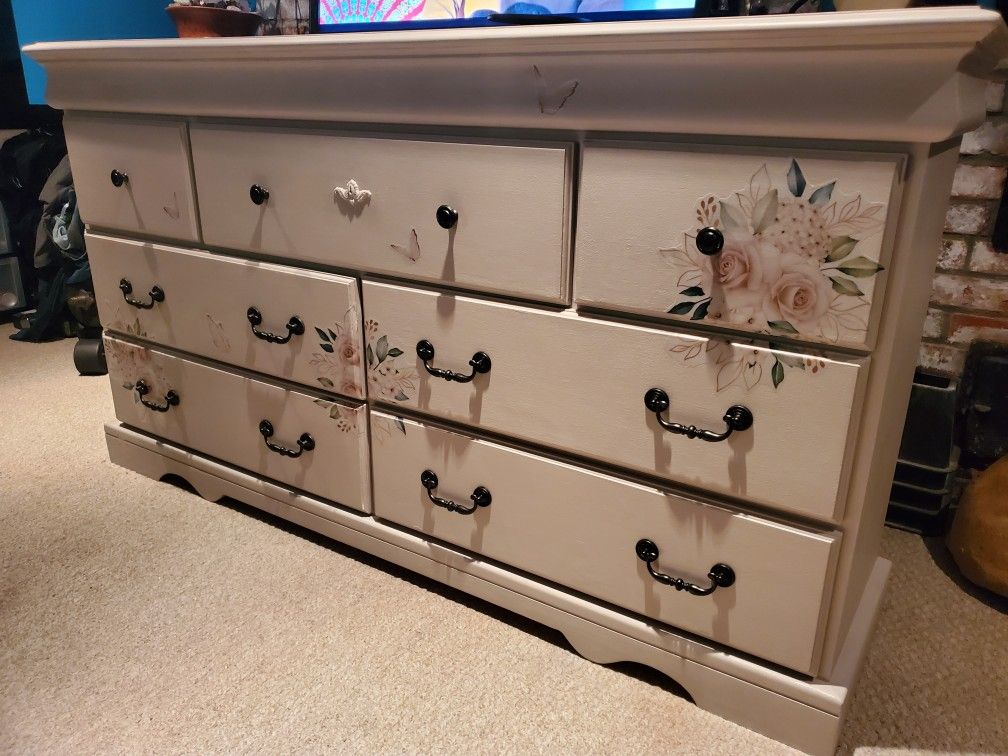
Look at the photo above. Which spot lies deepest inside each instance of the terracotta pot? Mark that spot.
(196, 21)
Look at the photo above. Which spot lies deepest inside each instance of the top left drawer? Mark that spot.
(133, 175)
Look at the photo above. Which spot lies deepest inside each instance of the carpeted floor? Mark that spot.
(137, 617)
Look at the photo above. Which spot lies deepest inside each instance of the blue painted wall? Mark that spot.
(57, 20)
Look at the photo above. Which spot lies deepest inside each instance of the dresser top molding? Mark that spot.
(893, 76)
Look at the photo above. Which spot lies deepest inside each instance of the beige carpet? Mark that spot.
(137, 617)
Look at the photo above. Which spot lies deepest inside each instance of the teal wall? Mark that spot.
(51, 20)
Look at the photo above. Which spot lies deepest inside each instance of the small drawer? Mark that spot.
(490, 217)
(581, 529)
(312, 444)
(580, 385)
(803, 238)
(133, 175)
(298, 325)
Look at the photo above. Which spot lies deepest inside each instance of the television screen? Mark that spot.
(351, 15)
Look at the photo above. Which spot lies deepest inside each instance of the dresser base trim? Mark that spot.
(806, 714)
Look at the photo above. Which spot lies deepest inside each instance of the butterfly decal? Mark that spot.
(553, 98)
(352, 194)
(412, 250)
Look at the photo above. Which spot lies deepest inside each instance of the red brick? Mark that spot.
(971, 293)
(965, 329)
(941, 358)
(986, 259)
(934, 324)
(967, 218)
(991, 137)
(979, 181)
(952, 255)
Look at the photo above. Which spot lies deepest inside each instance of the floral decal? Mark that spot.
(790, 263)
(382, 427)
(131, 363)
(388, 378)
(751, 366)
(345, 417)
(337, 365)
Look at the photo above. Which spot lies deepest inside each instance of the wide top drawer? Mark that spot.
(787, 244)
(133, 175)
(490, 217)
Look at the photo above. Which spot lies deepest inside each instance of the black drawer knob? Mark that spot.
(156, 294)
(709, 241)
(447, 217)
(305, 442)
(480, 496)
(480, 363)
(720, 575)
(171, 398)
(295, 327)
(736, 418)
(259, 195)
(119, 178)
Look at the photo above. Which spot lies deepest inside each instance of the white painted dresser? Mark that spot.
(612, 325)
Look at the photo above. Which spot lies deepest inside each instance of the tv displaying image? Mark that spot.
(347, 15)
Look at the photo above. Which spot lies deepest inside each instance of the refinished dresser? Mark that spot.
(613, 325)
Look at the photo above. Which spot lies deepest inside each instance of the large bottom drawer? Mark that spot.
(310, 443)
(583, 530)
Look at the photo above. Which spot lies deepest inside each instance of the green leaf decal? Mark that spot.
(682, 308)
(840, 247)
(860, 267)
(822, 194)
(381, 348)
(326, 382)
(401, 397)
(332, 334)
(795, 179)
(321, 334)
(731, 218)
(370, 355)
(777, 373)
(782, 325)
(692, 291)
(843, 286)
(334, 412)
(326, 347)
(701, 310)
(765, 212)
(395, 352)
(400, 424)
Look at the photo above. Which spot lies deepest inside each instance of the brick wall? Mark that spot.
(969, 299)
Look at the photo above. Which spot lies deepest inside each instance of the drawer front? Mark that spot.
(580, 528)
(155, 192)
(805, 238)
(373, 204)
(221, 414)
(579, 385)
(204, 308)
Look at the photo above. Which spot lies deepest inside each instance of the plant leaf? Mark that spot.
(822, 194)
(840, 247)
(795, 179)
(326, 347)
(332, 334)
(395, 352)
(777, 373)
(682, 308)
(860, 267)
(381, 348)
(400, 424)
(782, 325)
(692, 291)
(321, 334)
(765, 211)
(370, 355)
(843, 286)
(326, 382)
(701, 311)
(334, 411)
(732, 218)
(400, 397)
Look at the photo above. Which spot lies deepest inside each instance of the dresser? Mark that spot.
(612, 325)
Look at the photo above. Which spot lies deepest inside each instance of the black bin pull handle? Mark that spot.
(156, 295)
(295, 327)
(171, 397)
(305, 442)
(480, 496)
(480, 363)
(720, 575)
(736, 418)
